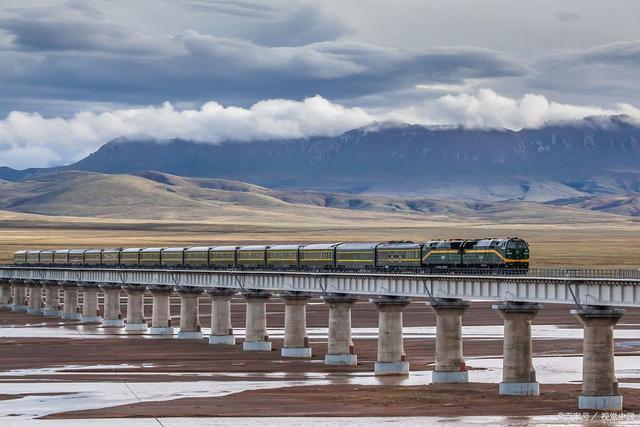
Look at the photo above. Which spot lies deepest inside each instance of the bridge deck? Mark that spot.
(573, 288)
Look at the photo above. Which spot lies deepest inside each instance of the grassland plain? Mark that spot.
(79, 209)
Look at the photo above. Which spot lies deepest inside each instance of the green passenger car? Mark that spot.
(172, 257)
(61, 257)
(252, 256)
(318, 256)
(356, 255)
(196, 256)
(20, 257)
(283, 256)
(395, 255)
(93, 257)
(33, 257)
(76, 256)
(110, 257)
(150, 257)
(222, 256)
(46, 257)
(130, 257)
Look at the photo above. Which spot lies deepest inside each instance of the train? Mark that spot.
(489, 253)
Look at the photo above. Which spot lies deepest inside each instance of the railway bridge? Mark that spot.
(594, 296)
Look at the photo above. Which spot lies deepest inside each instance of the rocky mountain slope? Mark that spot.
(597, 156)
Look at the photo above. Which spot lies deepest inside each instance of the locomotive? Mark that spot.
(434, 255)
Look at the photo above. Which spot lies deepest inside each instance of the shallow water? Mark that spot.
(539, 421)
(486, 332)
(89, 395)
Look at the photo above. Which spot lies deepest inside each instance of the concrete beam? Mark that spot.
(518, 374)
(52, 306)
(340, 346)
(35, 298)
(256, 335)
(90, 312)
(111, 314)
(189, 313)
(5, 295)
(19, 299)
(221, 329)
(70, 301)
(599, 382)
(296, 341)
(135, 309)
(391, 357)
(161, 315)
(450, 365)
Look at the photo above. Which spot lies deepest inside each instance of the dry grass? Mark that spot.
(612, 243)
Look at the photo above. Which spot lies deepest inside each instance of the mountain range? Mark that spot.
(594, 162)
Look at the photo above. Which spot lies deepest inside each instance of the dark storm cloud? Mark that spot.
(608, 71)
(567, 16)
(229, 7)
(81, 56)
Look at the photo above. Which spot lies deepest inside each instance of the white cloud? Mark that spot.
(28, 139)
(486, 108)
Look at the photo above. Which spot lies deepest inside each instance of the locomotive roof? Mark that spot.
(284, 247)
(21, 252)
(489, 242)
(33, 251)
(356, 246)
(319, 246)
(252, 248)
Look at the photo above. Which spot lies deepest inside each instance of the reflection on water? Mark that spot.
(492, 331)
(99, 394)
(538, 421)
(90, 395)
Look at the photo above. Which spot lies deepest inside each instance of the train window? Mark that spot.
(516, 244)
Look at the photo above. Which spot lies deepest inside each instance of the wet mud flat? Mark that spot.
(293, 387)
(471, 399)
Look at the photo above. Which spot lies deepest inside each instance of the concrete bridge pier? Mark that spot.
(5, 295)
(190, 328)
(450, 366)
(19, 296)
(340, 346)
(256, 336)
(51, 299)
(111, 315)
(518, 374)
(90, 312)
(135, 309)
(35, 298)
(599, 382)
(221, 330)
(296, 341)
(70, 301)
(391, 357)
(161, 315)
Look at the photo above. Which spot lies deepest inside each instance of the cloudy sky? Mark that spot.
(74, 74)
